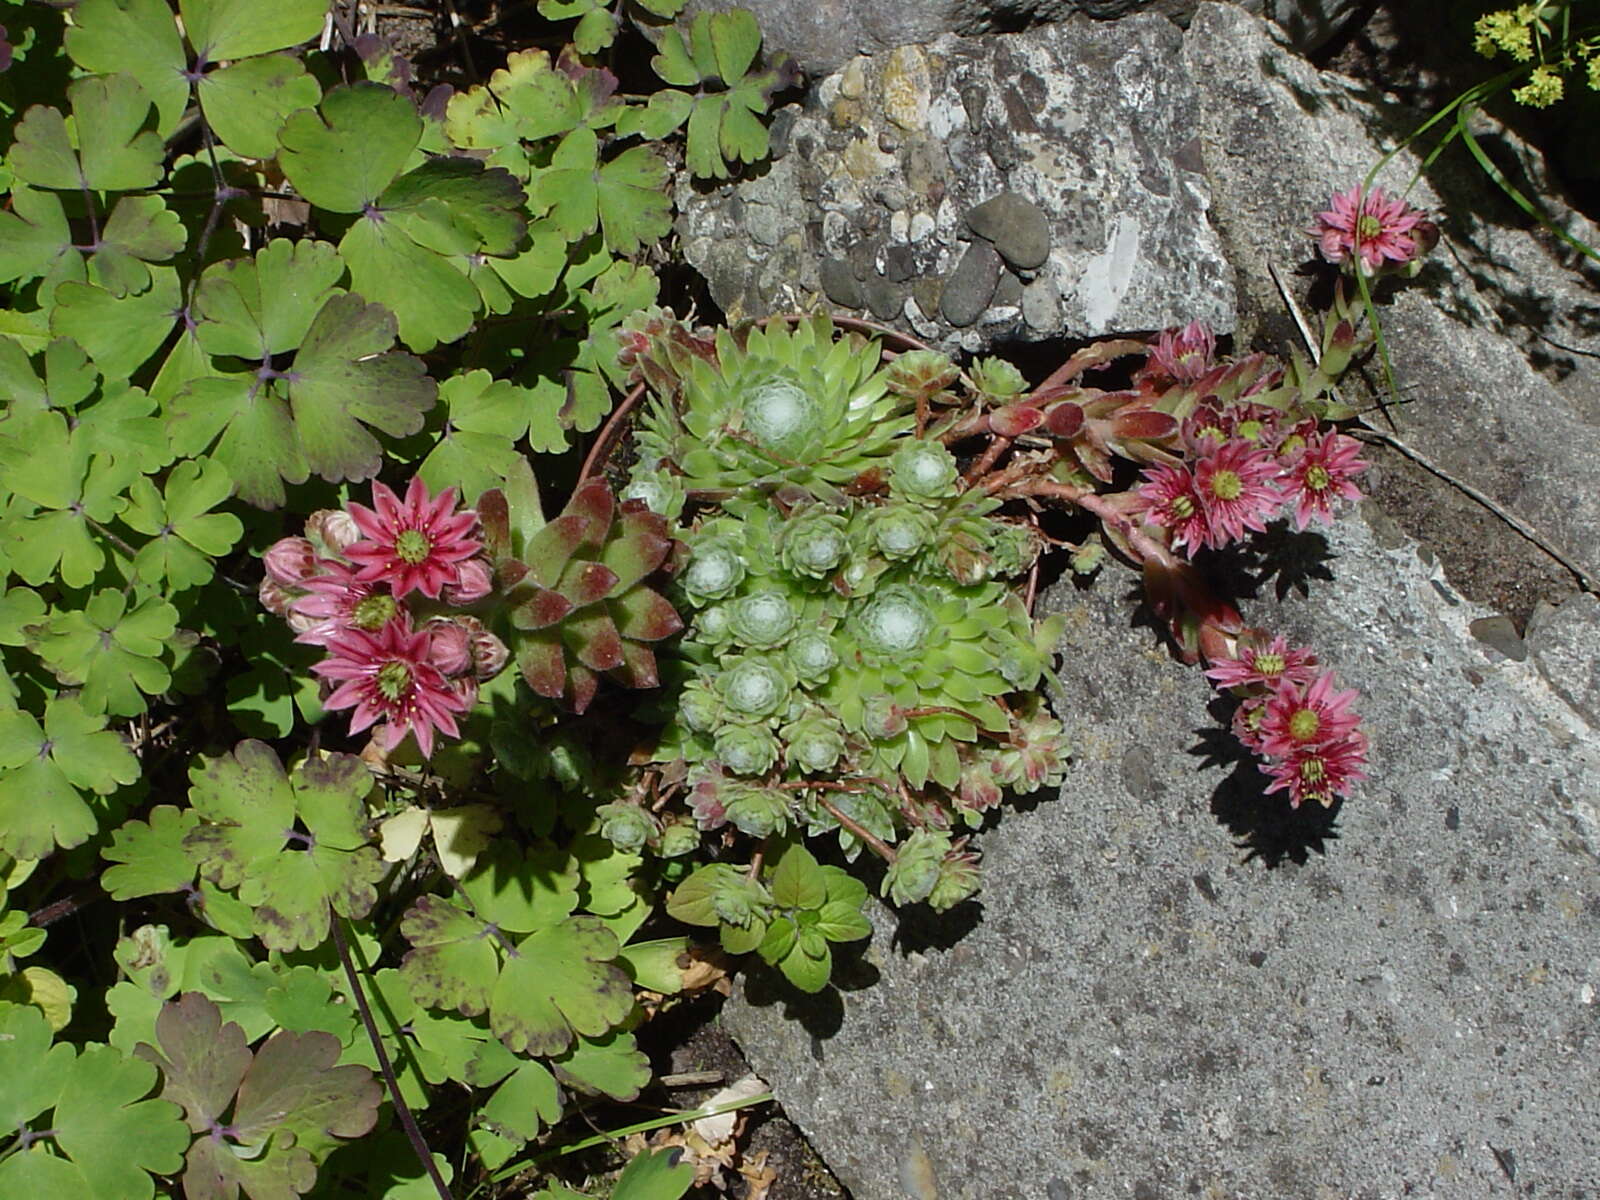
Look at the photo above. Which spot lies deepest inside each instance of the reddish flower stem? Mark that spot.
(879, 847)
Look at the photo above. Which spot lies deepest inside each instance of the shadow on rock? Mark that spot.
(1262, 825)
(819, 1013)
(921, 929)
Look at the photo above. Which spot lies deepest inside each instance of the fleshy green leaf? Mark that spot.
(797, 881)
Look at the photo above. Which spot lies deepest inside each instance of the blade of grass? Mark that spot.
(1486, 164)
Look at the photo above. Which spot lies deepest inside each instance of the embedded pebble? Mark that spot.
(839, 283)
(921, 226)
(1041, 304)
(885, 300)
(1017, 227)
(1008, 293)
(967, 291)
(899, 227)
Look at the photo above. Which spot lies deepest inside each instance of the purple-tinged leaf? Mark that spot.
(644, 615)
(202, 1059)
(595, 641)
(543, 664)
(548, 550)
(586, 583)
(541, 610)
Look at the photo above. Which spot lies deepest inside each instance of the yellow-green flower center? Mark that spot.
(1368, 227)
(1181, 507)
(1313, 771)
(1251, 431)
(1304, 724)
(1269, 664)
(1292, 444)
(1226, 485)
(1317, 478)
(412, 546)
(373, 612)
(394, 680)
(1213, 433)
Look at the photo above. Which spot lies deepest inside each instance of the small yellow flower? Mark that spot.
(1544, 88)
(1594, 72)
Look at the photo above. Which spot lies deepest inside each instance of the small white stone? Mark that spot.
(899, 227)
(920, 227)
(1586, 993)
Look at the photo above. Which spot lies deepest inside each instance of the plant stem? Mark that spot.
(879, 847)
(407, 1120)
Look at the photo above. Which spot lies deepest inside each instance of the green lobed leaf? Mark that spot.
(556, 984)
(342, 155)
(107, 148)
(523, 1106)
(187, 535)
(139, 37)
(797, 881)
(222, 29)
(42, 770)
(112, 652)
(120, 333)
(248, 102)
(150, 857)
(654, 1175)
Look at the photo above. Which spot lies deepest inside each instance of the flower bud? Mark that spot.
(449, 647)
(276, 597)
(626, 826)
(290, 560)
(474, 581)
(334, 528)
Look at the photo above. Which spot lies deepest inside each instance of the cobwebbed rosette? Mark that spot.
(774, 406)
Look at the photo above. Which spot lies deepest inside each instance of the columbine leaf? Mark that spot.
(345, 378)
(654, 1175)
(254, 308)
(110, 1132)
(112, 652)
(612, 1066)
(342, 156)
(35, 240)
(735, 38)
(151, 858)
(247, 103)
(293, 881)
(525, 101)
(557, 983)
(42, 770)
(452, 962)
(520, 892)
(107, 148)
(140, 230)
(187, 534)
(408, 249)
(139, 37)
(119, 332)
(487, 416)
(525, 1104)
(220, 29)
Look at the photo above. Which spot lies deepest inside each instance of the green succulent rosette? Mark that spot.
(924, 471)
(814, 543)
(777, 406)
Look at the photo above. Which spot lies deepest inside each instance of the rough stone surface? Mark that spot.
(1091, 122)
(1143, 1008)
(1563, 640)
(1015, 226)
(968, 290)
(822, 35)
(1495, 346)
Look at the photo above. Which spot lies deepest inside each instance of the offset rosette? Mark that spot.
(577, 593)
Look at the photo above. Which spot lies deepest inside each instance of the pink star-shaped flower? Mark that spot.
(415, 545)
(1377, 227)
(387, 677)
(1321, 474)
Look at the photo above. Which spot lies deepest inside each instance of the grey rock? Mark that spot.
(1141, 1007)
(968, 290)
(1041, 304)
(1277, 137)
(885, 298)
(1016, 226)
(1500, 634)
(1309, 25)
(840, 284)
(1008, 292)
(822, 35)
(1090, 123)
(1565, 640)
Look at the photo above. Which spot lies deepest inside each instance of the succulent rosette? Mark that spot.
(923, 470)
(814, 542)
(777, 406)
(898, 530)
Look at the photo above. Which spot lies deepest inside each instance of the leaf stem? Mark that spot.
(407, 1120)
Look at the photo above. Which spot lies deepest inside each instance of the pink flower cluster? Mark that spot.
(1376, 229)
(1246, 465)
(373, 587)
(1290, 715)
